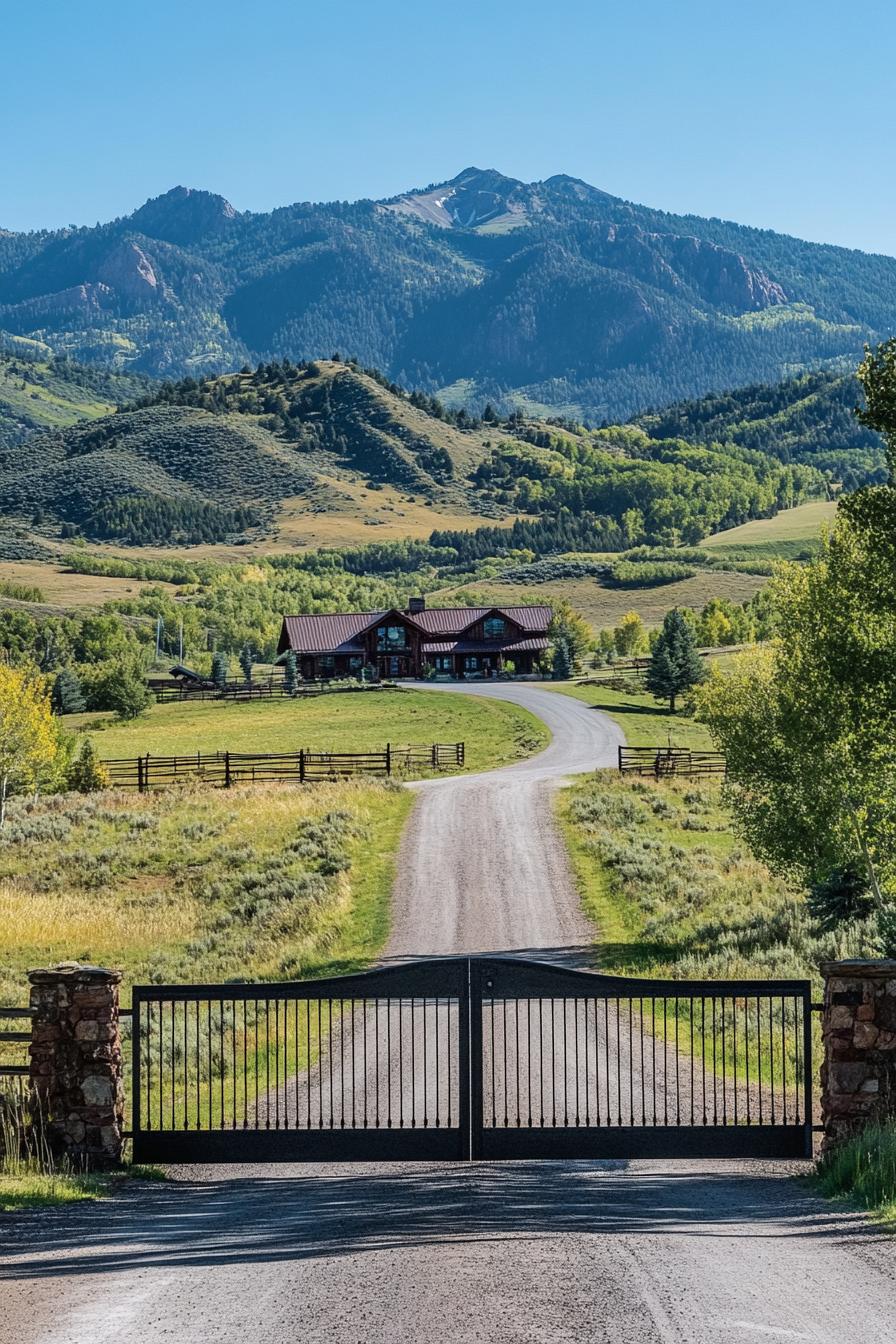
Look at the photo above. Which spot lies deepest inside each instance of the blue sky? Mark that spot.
(773, 114)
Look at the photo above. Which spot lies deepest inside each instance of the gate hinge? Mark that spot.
(816, 1007)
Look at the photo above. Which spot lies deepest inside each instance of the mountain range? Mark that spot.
(552, 296)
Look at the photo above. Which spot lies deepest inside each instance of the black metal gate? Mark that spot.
(482, 1057)
(368, 1067)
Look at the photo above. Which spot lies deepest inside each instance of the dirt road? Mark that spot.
(519, 1253)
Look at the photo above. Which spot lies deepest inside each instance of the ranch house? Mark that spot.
(456, 642)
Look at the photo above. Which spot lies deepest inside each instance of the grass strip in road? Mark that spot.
(495, 732)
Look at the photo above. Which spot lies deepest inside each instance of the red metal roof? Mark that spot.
(326, 634)
(453, 620)
(340, 632)
(528, 645)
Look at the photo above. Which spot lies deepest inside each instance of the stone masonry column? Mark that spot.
(76, 1072)
(858, 1073)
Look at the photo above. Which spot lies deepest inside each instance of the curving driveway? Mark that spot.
(482, 868)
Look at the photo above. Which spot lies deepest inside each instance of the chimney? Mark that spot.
(416, 605)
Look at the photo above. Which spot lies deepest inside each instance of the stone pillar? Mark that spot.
(76, 1073)
(858, 1073)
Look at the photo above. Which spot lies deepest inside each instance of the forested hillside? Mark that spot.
(220, 459)
(549, 295)
(809, 419)
(38, 391)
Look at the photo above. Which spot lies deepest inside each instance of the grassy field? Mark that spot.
(645, 722)
(495, 732)
(602, 607)
(787, 535)
(165, 885)
(672, 890)
(64, 589)
(200, 885)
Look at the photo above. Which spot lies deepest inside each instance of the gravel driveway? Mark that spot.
(628, 1253)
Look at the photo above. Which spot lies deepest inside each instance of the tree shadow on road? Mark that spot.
(288, 1214)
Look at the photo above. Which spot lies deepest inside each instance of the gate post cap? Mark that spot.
(74, 971)
(857, 968)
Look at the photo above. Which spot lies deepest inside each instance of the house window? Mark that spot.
(326, 665)
(471, 663)
(355, 663)
(495, 627)
(444, 662)
(391, 637)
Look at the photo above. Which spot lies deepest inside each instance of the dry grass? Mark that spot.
(160, 884)
(62, 588)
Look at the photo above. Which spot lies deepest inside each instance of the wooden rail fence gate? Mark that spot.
(471, 1057)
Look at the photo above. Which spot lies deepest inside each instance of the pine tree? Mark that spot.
(675, 664)
(290, 673)
(247, 659)
(561, 668)
(67, 696)
(220, 669)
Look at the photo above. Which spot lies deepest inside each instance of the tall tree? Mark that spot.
(220, 668)
(29, 744)
(67, 696)
(675, 664)
(809, 725)
(247, 661)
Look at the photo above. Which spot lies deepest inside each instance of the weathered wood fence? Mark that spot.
(230, 767)
(661, 762)
(263, 690)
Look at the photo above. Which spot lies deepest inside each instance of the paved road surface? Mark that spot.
(629, 1253)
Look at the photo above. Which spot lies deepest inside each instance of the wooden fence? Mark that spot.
(264, 690)
(298, 767)
(661, 762)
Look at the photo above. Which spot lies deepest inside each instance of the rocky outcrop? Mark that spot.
(128, 270)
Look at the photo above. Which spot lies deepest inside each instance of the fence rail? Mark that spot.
(239, 690)
(229, 767)
(15, 1037)
(662, 762)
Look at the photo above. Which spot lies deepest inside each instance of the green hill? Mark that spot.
(544, 296)
(257, 456)
(38, 391)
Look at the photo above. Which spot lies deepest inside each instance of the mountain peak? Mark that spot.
(472, 199)
(183, 215)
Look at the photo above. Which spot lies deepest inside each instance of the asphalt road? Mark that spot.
(630, 1253)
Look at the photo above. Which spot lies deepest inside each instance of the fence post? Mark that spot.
(302, 766)
(858, 1072)
(435, 757)
(388, 758)
(619, 759)
(227, 769)
(76, 1068)
(140, 785)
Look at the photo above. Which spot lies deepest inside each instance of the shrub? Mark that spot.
(86, 773)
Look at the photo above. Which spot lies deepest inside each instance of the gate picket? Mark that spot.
(482, 1057)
